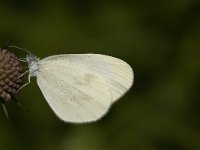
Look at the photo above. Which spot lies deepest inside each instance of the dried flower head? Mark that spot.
(10, 74)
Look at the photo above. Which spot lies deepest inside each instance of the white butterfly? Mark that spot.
(80, 87)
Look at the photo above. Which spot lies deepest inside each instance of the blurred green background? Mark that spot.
(159, 39)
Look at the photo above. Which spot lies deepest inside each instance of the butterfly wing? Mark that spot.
(117, 73)
(75, 94)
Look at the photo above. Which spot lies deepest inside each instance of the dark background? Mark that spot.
(159, 39)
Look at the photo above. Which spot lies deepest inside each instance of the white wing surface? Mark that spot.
(117, 73)
(74, 93)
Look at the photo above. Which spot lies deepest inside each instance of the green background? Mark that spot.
(159, 39)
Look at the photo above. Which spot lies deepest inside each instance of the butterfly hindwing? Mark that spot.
(75, 94)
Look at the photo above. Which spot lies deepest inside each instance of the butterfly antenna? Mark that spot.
(20, 48)
(4, 108)
(19, 104)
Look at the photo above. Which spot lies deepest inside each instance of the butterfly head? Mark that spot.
(32, 64)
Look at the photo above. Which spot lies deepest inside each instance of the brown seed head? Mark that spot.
(10, 74)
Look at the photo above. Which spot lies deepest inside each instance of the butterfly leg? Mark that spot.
(22, 59)
(25, 83)
(29, 80)
(23, 74)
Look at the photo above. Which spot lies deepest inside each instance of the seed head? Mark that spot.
(10, 74)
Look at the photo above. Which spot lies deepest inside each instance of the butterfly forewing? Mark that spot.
(117, 73)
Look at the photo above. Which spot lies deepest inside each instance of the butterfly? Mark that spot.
(80, 88)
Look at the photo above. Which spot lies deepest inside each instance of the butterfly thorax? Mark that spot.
(32, 64)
